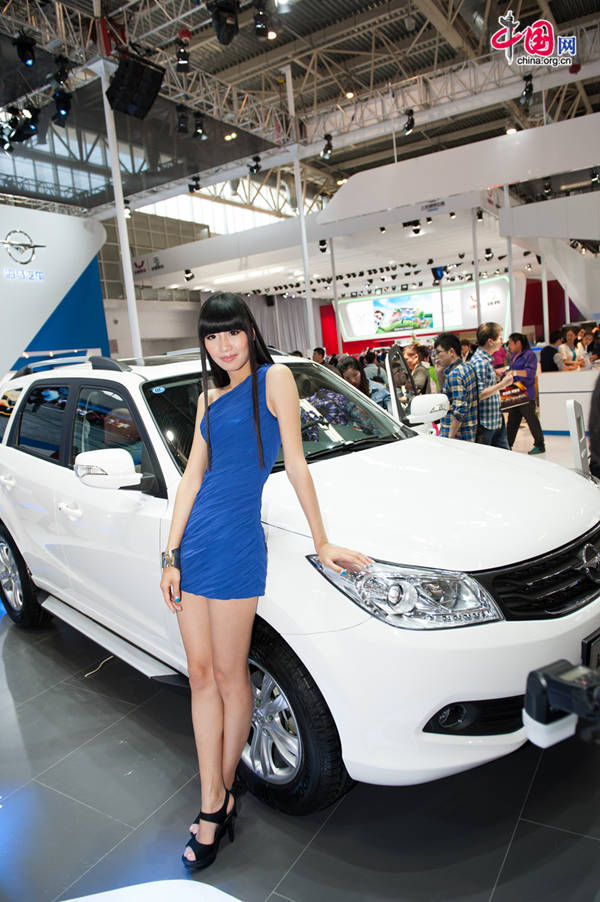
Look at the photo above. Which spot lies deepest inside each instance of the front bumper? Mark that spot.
(384, 684)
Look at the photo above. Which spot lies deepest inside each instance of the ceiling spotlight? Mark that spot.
(183, 58)
(199, 129)
(254, 167)
(382, 229)
(182, 119)
(7, 146)
(452, 215)
(547, 187)
(416, 230)
(126, 209)
(461, 256)
(574, 244)
(409, 125)
(263, 29)
(25, 49)
(511, 129)
(341, 181)
(26, 124)
(488, 253)
(594, 177)
(527, 92)
(480, 216)
(323, 245)
(230, 136)
(224, 14)
(62, 102)
(327, 148)
(62, 70)
(194, 185)
(428, 220)
(188, 275)
(349, 93)
(528, 267)
(284, 6)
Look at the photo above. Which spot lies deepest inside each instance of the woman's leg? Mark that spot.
(514, 421)
(207, 708)
(231, 630)
(535, 427)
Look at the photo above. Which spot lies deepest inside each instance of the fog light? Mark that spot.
(454, 717)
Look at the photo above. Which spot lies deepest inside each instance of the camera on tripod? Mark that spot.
(557, 696)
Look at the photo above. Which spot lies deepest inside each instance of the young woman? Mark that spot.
(214, 568)
(353, 373)
(523, 364)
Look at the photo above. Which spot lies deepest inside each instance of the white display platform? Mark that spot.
(555, 389)
(162, 891)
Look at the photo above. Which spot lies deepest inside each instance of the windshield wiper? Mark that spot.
(346, 447)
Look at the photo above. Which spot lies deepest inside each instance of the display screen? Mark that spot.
(428, 310)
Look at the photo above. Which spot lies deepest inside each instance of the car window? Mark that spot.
(400, 380)
(103, 420)
(41, 421)
(7, 405)
(334, 416)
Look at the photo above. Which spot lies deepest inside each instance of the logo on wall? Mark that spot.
(20, 247)
(156, 264)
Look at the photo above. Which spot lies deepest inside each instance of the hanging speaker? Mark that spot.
(134, 86)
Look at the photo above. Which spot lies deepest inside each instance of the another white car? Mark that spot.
(488, 565)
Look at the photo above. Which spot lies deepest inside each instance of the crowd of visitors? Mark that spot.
(473, 375)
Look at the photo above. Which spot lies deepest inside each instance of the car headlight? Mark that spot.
(414, 597)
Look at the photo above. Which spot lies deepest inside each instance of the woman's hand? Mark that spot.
(169, 586)
(341, 559)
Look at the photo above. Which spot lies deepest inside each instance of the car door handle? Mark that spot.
(70, 510)
(8, 481)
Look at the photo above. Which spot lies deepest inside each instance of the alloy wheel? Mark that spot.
(10, 579)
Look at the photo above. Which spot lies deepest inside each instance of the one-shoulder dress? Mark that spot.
(223, 549)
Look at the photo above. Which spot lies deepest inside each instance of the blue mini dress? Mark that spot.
(223, 549)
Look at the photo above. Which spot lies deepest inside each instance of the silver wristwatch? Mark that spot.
(170, 558)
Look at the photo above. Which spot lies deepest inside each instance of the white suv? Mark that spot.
(488, 567)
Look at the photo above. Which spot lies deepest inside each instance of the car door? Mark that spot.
(111, 537)
(30, 465)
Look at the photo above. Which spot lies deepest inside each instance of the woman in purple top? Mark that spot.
(524, 365)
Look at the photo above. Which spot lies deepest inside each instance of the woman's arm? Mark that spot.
(186, 493)
(282, 396)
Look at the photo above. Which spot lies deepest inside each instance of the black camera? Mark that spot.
(557, 696)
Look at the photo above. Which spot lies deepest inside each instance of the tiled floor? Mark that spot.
(98, 783)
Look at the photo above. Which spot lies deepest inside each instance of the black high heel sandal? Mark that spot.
(206, 853)
(237, 805)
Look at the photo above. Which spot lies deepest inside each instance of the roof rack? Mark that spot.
(97, 363)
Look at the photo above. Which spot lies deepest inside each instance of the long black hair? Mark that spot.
(224, 312)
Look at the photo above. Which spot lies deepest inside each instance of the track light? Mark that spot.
(126, 209)
(409, 124)
(254, 167)
(480, 216)
(594, 177)
(224, 14)
(547, 187)
(511, 129)
(25, 49)
(284, 6)
(341, 181)
(323, 245)
(194, 185)
(428, 220)
(182, 119)
(382, 229)
(349, 93)
(183, 58)
(230, 136)
(416, 230)
(188, 275)
(574, 244)
(527, 92)
(327, 148)
(61, 73)
(199, 130)
(452, 215)
(488, 253)
(62, 102)
(24, 124)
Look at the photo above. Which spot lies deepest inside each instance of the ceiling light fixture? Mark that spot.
(194, 185)
(452, 215)
(183, 58)
(511, 129)
(126, 209)
(224, 14)
(323, 245)
(480, 216)
(382, 229)
(188, 275)
(61, 73)
(327, 148)
(488, 253)
(25, 49)
(199, 129)
(527, 92)
(254, 167)
(409, 125)
(230, 136)
(182, 119)
(62, 102)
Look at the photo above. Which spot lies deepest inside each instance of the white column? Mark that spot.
(567, 309)
(545, 301)
(511, 276)
(442, 306)
(338, 325)
(277, 326)
(476, 262)
(124, 248)
(300, 201)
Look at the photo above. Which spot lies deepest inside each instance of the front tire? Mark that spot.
(293, 759)
(17, 591)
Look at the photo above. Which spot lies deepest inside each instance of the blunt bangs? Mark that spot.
(222, 313)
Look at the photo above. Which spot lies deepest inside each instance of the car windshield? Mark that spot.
(335, 418)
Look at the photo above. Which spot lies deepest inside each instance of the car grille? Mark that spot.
(552, 585)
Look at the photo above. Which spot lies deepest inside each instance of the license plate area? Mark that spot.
(590, 651)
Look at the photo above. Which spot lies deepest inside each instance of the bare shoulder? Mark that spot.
(213, 394)
(279, 375)
(280, 388)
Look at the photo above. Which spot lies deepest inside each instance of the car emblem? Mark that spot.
(20, 247)
(590, 558)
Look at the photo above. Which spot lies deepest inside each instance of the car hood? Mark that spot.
(434, 502)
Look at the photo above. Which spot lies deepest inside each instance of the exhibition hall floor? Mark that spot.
(98, 783)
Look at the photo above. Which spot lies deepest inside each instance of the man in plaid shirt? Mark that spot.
(460, 385)
(492, 427)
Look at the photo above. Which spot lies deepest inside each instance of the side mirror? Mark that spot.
(428, 408)
(112, 468)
